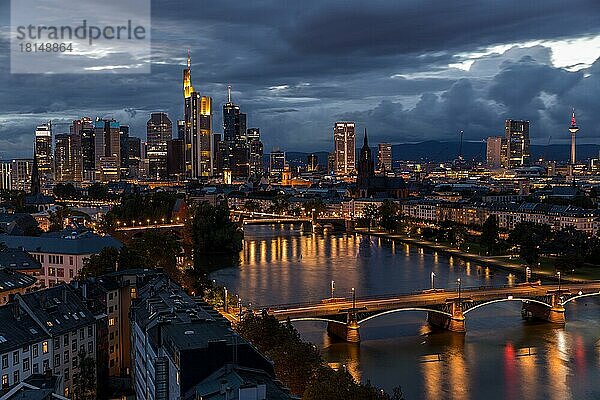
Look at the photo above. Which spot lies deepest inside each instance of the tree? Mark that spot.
(370, 212)
(251, 205)
(65, 191)
(490, 234)
(157, 248)
(98, 191)
(213, 233)
(388, 215)
(84, 380)
(99, 264)
(280, 204)
(531, 239)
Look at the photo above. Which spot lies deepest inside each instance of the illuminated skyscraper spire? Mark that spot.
(229, 93)
(188, 89)
(573, 129)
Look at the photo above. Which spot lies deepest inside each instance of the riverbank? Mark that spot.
(491, 262)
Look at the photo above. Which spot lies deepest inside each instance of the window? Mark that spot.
(4, 361)
(111, 322)
(66, 374)
(26, 364)
(74, 362)
(71, 274)
(15, 357)
(81, 334)
(66, 340)
(51, 271)
(46, 365)
(112, 349)
(57, 344)
(74, 344)
(16, 377)
(111, 335)
(67, 391)
(60, 272)
(56, 360)
(25, 349)
(90, 331)
(110, 309)
(90, 347)
(66, 356)
(4, 381)
(45, 347)
(110, 296)
(36, 368)
(34, 350)
(70, 260)
(82, 348)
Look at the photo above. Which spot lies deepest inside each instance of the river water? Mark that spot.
(500, 357)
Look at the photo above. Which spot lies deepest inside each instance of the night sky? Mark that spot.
(406, 70)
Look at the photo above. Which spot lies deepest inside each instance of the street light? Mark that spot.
(558, 280)
(459, 288)
(432, 281)
(527, 274)
(332, 288)
(353, 298)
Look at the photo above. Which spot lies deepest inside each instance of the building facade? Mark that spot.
(159, 130)
(517, 143)
(344, 139)
(68, 158)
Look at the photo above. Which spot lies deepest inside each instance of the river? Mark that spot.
(500, 357)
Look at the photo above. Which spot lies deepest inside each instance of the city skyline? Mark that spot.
(405, 82)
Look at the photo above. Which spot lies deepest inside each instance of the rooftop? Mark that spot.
(88, 243)
(18, 259)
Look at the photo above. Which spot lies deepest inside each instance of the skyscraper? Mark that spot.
(68, 158)
(255, 147)
(84, 127)
(198, 129)
(384, 157)
(124, 153)
(494, 148)
(107, 136)
(159, 130)
(43, 150)
(236, 155)
(134, 156)
(312, 163)
(175, 158)
(573, 129)
(344, 147)
(517, 143)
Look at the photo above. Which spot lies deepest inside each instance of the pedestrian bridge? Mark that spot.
(445, 309)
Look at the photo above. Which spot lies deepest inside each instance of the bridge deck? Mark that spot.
(424, 299)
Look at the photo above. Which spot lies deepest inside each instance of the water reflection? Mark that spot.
(500, 357)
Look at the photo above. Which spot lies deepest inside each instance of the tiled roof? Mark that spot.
(86, 244)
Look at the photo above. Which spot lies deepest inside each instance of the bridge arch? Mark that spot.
(580, 296)
(314, 319)
(506, 299)
(400, 310)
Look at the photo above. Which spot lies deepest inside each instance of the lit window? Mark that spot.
(111, 322)
(45, 347)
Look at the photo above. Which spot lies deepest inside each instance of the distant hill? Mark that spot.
(437, 151)
(446, 151)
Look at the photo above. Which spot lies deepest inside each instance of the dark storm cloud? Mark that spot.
(297, 66)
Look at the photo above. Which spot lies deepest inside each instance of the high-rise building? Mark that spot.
(312, 163)
(573, 129)
(159, 130)
(175, 158)
(198, 129)
(384, 157)
(124, 150)
(107, 149)
(43, 150)
(21, 170)
(5, 175)
(494, 151)
(344, 147)
(236, 156)
(134, 156)
(255, 147)
(276, 162)
(68, 159)
(517, 143)
(84, 127)
(180, 129)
